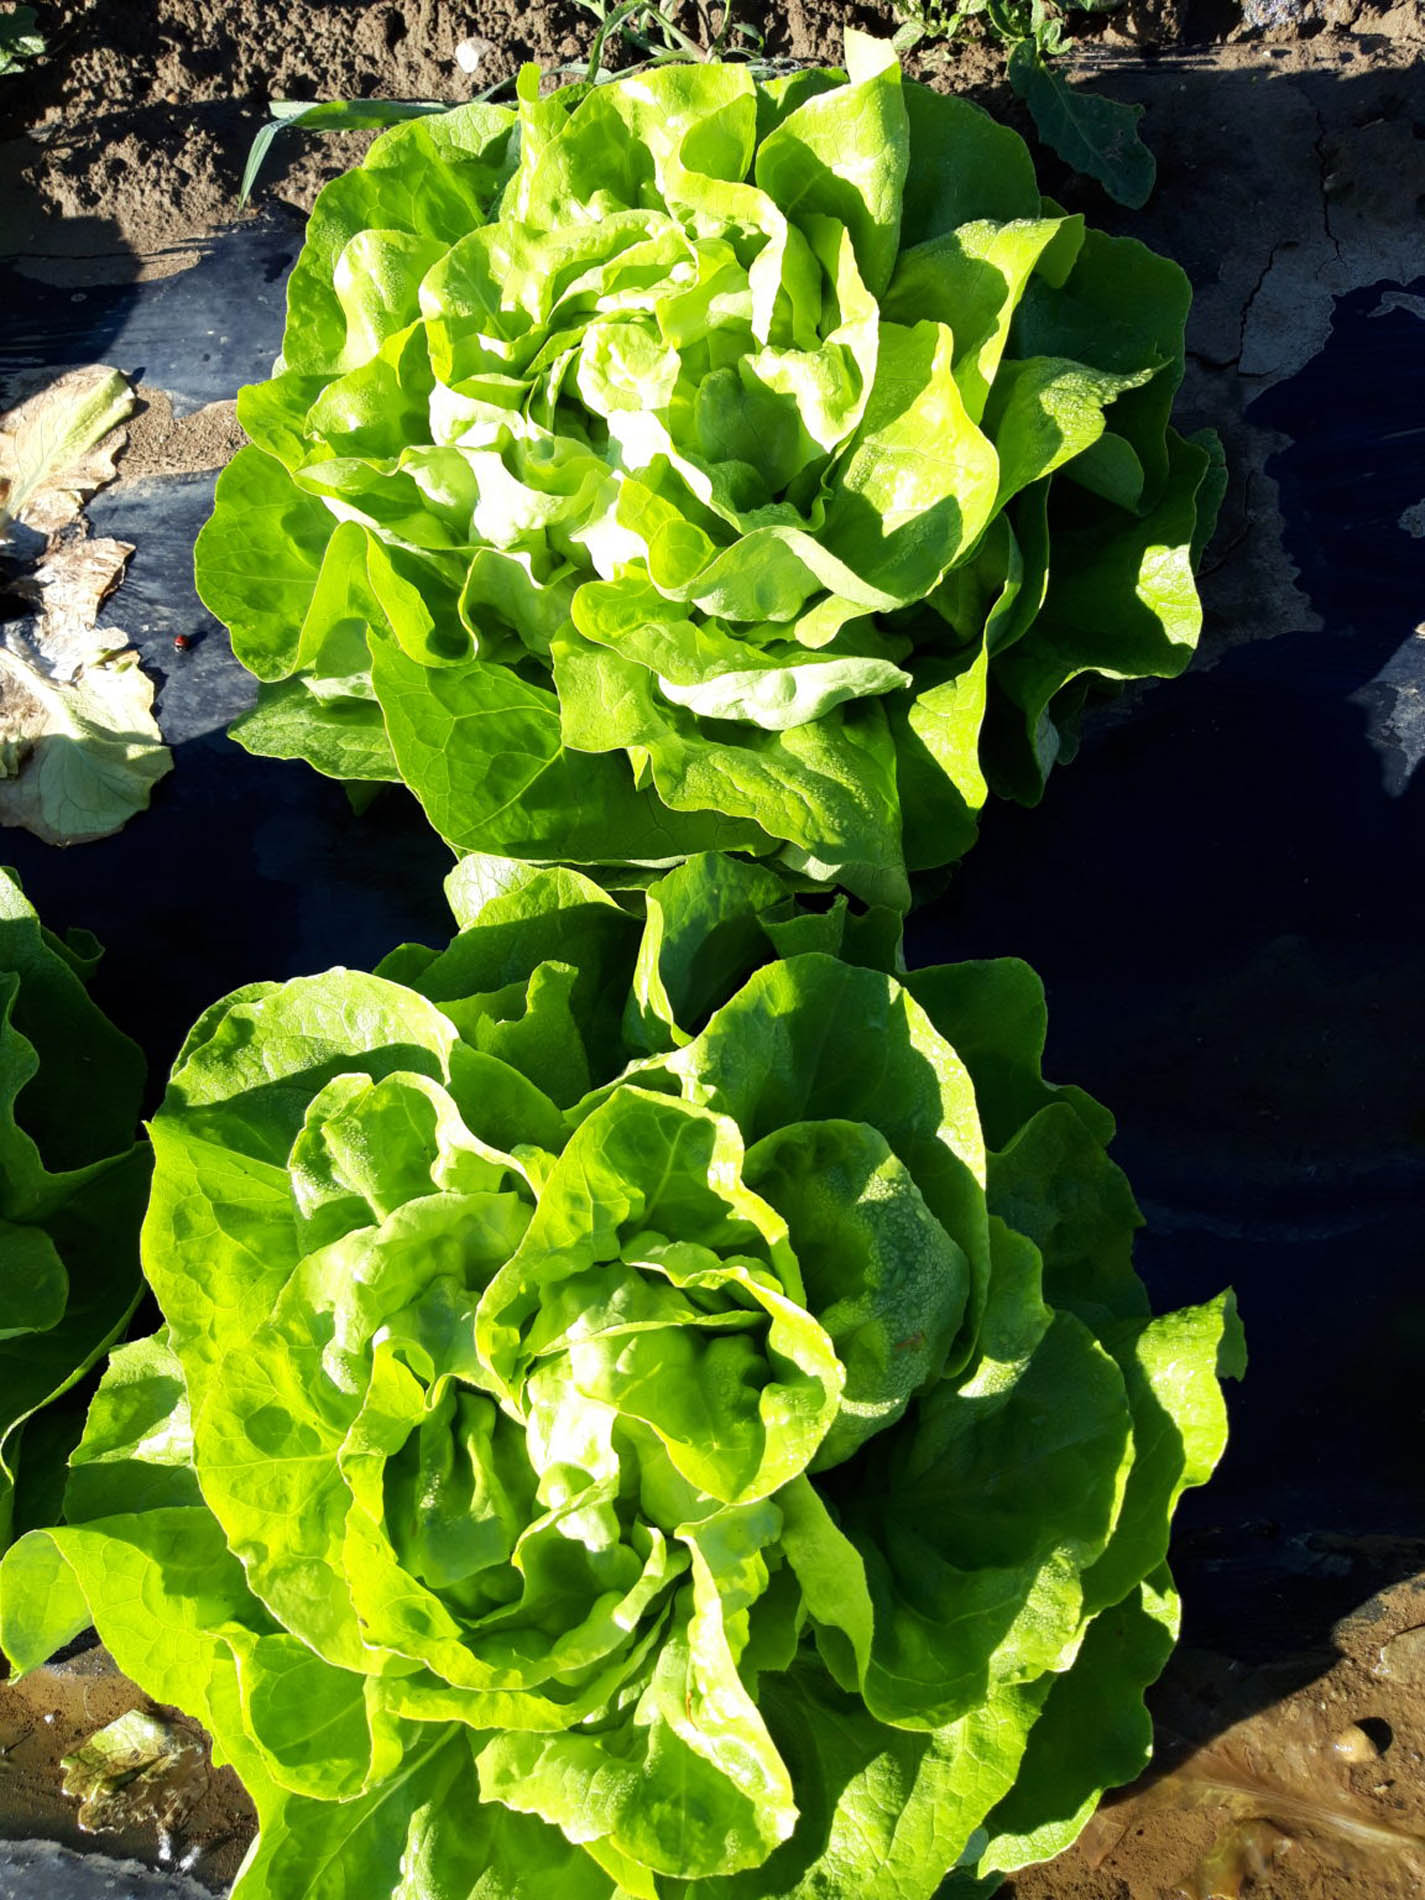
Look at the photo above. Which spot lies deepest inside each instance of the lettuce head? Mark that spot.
(649, 1407)
(696, 462)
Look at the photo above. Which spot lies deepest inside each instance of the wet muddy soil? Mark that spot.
(197, 1821)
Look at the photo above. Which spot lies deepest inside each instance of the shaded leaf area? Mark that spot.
(1096, 135)
(650, 1401)
(72, 1189)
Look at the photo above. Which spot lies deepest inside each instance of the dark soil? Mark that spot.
(138, 120)
(134, 127)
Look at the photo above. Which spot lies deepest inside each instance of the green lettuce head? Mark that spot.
(72, 1185)
(648, 1407)
(698, 463)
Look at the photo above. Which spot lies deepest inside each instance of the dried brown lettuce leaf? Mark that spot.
(80, 749)
(58, 446)
(137, 1769)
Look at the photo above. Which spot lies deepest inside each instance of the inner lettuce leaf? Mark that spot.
(72, 1190)
(694, 463)
(652, 1403)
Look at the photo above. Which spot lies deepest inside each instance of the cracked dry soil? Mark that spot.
(1291, 171)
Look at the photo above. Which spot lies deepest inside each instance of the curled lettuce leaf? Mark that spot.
(652, 1401)
(72, 1186)
(697, 463)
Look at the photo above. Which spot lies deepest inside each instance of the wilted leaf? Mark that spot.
(1296, 1791)
(137, 1769)
(67, 589)
(58, 446)
(79, 745)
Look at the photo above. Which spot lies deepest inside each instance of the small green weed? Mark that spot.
(655, 33)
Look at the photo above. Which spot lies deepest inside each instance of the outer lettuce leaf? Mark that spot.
(944, 1587)
(993, 1011)
(343, 736)
(691, 463)
(1092, 1734)
(1121, 602)
(71, 1184)
(1120, 309)
(264, 526)
(650, 1403)
(399, 1839)
(496, 774)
